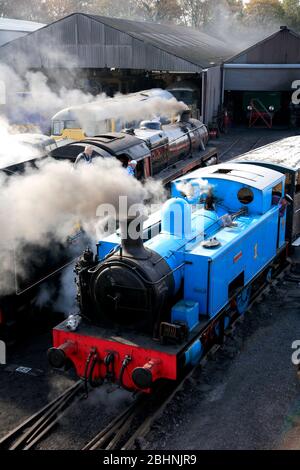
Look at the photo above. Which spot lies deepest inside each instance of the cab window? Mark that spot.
(276, 193)
(72, 125)
(245, 195)
(57, 127)
(139, 172)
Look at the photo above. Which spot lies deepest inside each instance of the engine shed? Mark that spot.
(113, 55)
(260, 83)
(116, 55)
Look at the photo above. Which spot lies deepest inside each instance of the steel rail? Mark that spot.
(235, 142)
(31, 431)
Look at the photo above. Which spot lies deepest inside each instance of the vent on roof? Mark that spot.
(236, 173)
(223, 171)
(108, 137)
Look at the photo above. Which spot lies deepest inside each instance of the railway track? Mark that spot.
(135, 422)
(36, 427)
(246, 146)
(236, 142)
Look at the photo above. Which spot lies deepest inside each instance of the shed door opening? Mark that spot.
(277, 103)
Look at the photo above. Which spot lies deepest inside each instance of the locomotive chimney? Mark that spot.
(185, 115)
(132, 237)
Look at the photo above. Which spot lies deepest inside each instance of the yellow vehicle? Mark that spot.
(189, 93)
(78, 122)
(66, 124)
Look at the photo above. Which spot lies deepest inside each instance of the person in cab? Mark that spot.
(131, 167)
(85, 156)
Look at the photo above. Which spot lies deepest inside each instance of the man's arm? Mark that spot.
(79, 157)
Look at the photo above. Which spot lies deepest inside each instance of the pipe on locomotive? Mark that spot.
(176, 233)
(176, 225)
(131, 230)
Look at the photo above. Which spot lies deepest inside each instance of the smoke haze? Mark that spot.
(127, 108)
(32, 95)
(234, 31)
(194, 188)
(46, 203)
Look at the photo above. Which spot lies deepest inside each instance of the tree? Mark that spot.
(211, 13)
(118, 9)
(219, 17)
(48, 11)
(5, 8)
(263, 13)
(160, 10)
(195, 13)
(236, 7)
(42, 10)
(292, 13)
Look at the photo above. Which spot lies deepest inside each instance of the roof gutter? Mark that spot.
(261, 66)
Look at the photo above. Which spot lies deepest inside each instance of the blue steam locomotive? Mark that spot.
(152, 308)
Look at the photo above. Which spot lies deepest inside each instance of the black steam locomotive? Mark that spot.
(161, 151)
(18, 292)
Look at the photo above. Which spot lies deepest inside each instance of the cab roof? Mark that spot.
(114, 142)
(255, 176)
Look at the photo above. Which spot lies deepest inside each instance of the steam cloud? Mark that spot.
(37, 95)
(43, 100)
(45, 204)
(127, 108)
(234, 31)
(12, 147)
(193, 189)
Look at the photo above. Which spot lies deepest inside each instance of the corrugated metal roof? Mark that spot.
(9, 24)
(281, 47)
(187, 43)
(99, 42)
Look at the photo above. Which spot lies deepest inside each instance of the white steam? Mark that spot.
(127, 108)
(237, 32)
(45, 204)
(32, 95)
(66, 301)
(193, 189)
(13, 149)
